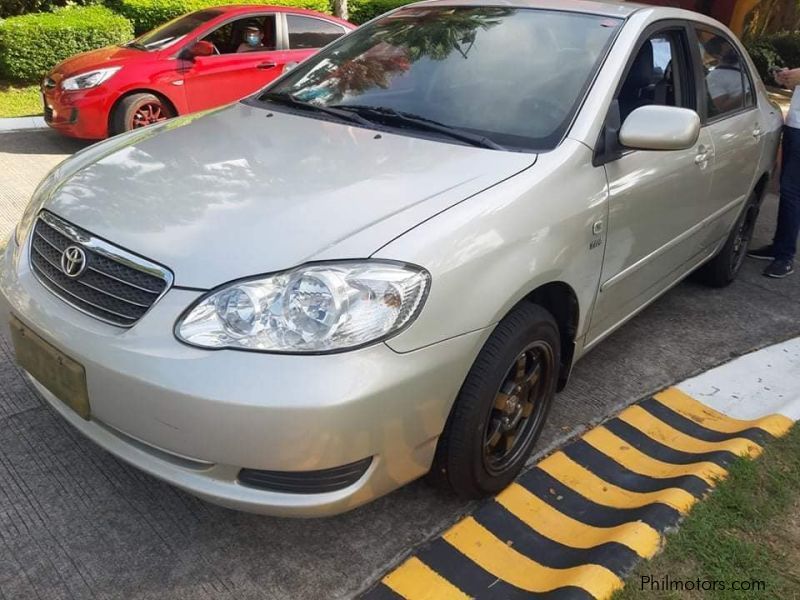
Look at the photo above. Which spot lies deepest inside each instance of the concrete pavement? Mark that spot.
(75, 522)
(25, 158)
(21, 123)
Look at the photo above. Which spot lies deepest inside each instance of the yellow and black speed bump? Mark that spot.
(575, 524)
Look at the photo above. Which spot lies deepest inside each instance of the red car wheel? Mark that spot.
(139, 110)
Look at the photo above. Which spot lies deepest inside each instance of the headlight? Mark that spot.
(312, 309)
(91, 79)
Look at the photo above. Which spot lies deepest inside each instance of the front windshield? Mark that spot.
(513, 76)
(174, 30)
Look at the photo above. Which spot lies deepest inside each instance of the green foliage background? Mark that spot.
(147, 14)
(775, 51)
(30, 45)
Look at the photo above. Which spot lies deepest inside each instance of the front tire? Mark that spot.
(138, 110)
(721, 270)
(501, 409)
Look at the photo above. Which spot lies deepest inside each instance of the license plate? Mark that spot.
(56, 371)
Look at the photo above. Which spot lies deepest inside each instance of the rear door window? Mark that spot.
(727, 85)
(308, 32)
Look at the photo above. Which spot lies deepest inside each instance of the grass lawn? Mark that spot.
(19, 100)
(748, 529)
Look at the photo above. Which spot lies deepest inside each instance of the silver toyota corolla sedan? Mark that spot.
(386, 263)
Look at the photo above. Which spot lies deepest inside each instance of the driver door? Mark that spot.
(229, 74)
(657, 199)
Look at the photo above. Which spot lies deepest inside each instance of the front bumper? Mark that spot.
(80, 114)
(194, 417)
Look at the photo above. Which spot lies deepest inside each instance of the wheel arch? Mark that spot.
(160, 95)
(561, 301)
(760, 189)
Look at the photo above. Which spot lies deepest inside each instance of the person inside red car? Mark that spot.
(253, 39)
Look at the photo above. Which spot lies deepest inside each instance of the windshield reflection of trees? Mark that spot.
(392, 46)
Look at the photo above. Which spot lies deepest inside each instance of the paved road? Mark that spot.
(25, 158)
(77, 523)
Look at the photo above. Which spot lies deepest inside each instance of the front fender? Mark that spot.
(489, 252)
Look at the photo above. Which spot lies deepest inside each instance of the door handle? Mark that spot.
(757, 132)
(704, 154)
(266, 65)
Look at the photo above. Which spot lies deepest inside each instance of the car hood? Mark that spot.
(109, 56)
(242, 191)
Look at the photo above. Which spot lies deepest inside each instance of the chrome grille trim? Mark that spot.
(109, 294)
(117, 286)
(133, 285)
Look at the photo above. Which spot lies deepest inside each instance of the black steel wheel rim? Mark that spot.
(519, 407)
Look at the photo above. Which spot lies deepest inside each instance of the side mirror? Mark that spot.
(201, 48)
(660, 128)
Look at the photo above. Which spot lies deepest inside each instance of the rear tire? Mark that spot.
(508, 393)
(138, 110)
(721, 270)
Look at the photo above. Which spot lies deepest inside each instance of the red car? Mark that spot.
(200, 60)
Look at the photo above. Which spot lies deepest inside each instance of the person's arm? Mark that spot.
(789, 78)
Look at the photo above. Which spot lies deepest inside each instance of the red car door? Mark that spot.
(232, 73)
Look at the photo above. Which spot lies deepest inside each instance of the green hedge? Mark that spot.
(11, 8)
(765, 58)
(362, 11)
(30, 45)
(148, 14)
(787, 45)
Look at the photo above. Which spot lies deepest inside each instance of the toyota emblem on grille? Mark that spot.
(73, 261)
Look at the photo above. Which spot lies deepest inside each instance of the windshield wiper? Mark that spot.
(403, 118)
(136, 45)
(289, 100)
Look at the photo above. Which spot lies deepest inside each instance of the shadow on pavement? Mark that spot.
(39, 141)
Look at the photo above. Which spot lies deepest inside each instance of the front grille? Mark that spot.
(115, 286)
(306, 482)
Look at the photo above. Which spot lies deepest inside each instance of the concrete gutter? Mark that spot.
(22, 123)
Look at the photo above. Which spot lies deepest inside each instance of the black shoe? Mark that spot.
(778, 269)
(763, 253)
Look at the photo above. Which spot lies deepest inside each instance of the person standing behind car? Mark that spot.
(784, 244)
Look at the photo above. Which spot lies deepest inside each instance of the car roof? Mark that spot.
(256, 7)
(233, 9)
(608, 8)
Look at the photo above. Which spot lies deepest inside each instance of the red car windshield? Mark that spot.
(174, 30)
(514, 77)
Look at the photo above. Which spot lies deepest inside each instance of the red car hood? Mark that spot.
(109, 56)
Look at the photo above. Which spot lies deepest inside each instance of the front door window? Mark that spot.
(654, 76)
(249, 34)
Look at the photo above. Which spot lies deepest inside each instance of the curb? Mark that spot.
(22, 123)
(579, 521)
